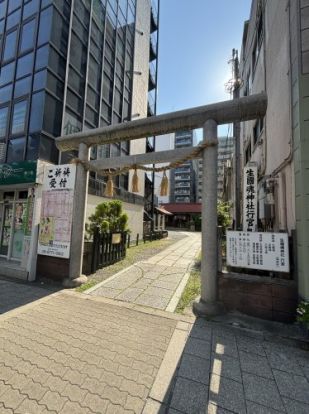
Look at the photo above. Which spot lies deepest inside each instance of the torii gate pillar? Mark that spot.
(208, 304)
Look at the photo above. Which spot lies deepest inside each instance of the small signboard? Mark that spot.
(250, 199)
(57, 210)
(116, 238)
(261, 251)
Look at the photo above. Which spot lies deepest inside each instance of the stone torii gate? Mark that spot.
(207, 117)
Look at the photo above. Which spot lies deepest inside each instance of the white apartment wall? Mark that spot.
(272, 74)
(140, 80)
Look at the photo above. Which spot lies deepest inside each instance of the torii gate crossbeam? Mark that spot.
(208, 117)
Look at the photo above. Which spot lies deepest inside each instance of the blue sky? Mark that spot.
(196, 42)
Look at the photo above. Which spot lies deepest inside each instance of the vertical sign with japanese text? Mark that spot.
(250, 199)
(57, 210)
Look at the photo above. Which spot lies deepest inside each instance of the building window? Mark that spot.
(40, 80)
(22, 87)
(16, 148)
(13, 19)
(13, 4)
(10, 46)
(257, 42)
(33, 146)
(3, 120)
(248, 153)
(30, 8)
(6, 93)
(41, 57)
(37, 109)
(25, 65)
(27, 36)
(19, 117)
(45, 26)
(52, 115)
(257, 129)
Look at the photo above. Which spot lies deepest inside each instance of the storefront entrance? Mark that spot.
(16, 211)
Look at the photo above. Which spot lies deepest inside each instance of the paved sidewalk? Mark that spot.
(72, 353)
(156, 282)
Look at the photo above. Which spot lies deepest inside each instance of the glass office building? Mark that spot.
(67, 66)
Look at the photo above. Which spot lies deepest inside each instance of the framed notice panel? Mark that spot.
(57, 210)
(254, 250)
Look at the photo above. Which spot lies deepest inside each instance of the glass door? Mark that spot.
(18, 230)
(6, 229)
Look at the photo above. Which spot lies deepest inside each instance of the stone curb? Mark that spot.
(133, 306)
(97, 286)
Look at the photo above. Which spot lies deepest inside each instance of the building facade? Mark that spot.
(67, 66)
(183, 178)
(225, 155)
(275, 59)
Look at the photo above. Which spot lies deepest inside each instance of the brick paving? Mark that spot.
(66, 354)
(155, 281)
(73, 353)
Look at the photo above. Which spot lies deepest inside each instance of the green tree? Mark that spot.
(108, 217)
(224, 215)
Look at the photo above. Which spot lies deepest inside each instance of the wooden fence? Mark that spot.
(107, 248)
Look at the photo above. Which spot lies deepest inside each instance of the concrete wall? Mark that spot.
(134, 211)
(299, 25)
(273, 150)
(140, 80)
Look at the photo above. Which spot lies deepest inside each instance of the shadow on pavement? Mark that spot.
(223, 370)
(15, 293)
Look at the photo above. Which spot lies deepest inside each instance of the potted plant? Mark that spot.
(303, 316)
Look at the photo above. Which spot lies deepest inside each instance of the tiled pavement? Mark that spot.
(156, 282)
(223, 370)
(73, 353)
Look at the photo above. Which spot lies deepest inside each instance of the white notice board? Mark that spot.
(255, 250)
(57, 210)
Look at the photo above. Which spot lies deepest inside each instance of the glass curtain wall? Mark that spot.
(66, 65)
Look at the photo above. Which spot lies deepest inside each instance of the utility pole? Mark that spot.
(236, 133)
(233, 86)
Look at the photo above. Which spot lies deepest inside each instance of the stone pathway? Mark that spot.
(214, 369)
(157, 282)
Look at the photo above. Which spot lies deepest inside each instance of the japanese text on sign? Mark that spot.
(57, 210)
(250, 199)
(253, 250)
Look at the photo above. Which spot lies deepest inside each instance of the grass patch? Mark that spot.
(86, 286)
(192, 289)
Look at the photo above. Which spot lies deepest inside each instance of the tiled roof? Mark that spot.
(183, 207)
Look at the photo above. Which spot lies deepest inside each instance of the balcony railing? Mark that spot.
(182, 177)
(180, 185)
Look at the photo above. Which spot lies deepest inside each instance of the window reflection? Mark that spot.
(45, 26)
(27, 36)
(3, 120)
(16, 149)
(7, 73)
(22, 87)
(19, 117)
(24, 65)
(37, 110)
(10, 46)
(33, 145)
